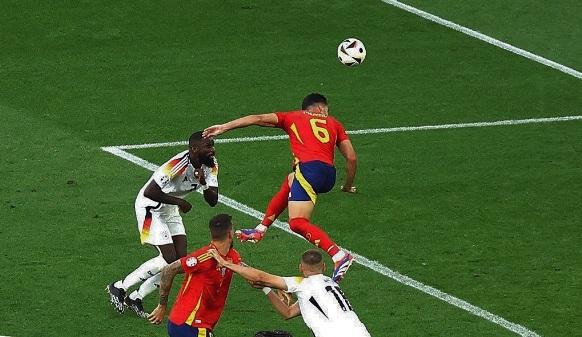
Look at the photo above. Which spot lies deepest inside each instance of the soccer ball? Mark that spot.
(351, 52)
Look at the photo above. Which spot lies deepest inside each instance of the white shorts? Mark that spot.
(157, 223)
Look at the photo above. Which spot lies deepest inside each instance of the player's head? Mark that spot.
(312, 262)
(221, 228)
(315, 103)
(201, 149)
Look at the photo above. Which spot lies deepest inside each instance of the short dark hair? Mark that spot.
(219, 226)
(312, 257)
(195, 138)
(313, 98)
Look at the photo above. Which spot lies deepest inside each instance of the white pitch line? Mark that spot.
(371, 264)
(371, 131)
(485, 38)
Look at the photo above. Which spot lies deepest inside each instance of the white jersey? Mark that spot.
(324, 307)
(176, 178)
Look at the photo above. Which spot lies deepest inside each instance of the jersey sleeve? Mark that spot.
(165, 173)
(161, 177)
(211, 174)
(192, 263)
(293, 283)
(281, 119)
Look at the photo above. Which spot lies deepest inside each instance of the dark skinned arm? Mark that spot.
(211, 196)
(155, 193)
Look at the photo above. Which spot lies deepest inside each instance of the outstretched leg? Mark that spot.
(143, 273)
(275, 207)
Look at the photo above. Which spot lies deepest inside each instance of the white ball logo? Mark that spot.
(191, 261)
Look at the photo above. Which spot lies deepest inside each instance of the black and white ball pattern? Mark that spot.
(351, 52)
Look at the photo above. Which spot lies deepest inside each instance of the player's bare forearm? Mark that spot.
(155, 193)
(287, 311)
(251, 274)
(351, 167)
(269, 119)
(347, 150)
(211, 196)
(167, 278)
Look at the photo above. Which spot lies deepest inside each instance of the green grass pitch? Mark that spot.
(489, 215)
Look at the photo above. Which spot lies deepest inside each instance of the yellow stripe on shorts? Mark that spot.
(305, 184)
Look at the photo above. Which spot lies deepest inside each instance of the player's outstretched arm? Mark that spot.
(166, 278)
(255, 276)
(347, 150)
(269, 120)
(286, 310)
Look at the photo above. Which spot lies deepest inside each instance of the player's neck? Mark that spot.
(222, 246)
(194, 161)
(311, 273)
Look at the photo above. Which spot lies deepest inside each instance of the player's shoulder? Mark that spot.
(182, 155)
(290, 114)
(199, 256)
(334, 120)
(179, 159)
(320, 279)
(234, 255)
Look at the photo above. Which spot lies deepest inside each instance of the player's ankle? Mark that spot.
(261, 228)
(135, 295)
(338, 256)
(119, 285)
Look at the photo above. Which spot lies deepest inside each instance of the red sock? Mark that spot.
(277, 204)
(313, 234)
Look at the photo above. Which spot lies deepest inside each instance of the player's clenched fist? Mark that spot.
(185, 206)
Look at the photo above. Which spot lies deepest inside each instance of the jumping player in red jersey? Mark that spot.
(202, 296)
(313, 136)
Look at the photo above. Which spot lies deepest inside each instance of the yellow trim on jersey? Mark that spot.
(294, 129)
(201, 332)
(187, 283)
(193, 313)
(305, 184)
(204, 257)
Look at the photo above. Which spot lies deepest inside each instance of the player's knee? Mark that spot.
(159, 263)
(169, 257)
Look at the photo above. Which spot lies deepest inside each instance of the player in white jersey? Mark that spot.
(320, 301)
(157, 208)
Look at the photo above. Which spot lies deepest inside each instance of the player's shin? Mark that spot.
(276, 206)
(314, 234)
(142, 273)
(147, 287)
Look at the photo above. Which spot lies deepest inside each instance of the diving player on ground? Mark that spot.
(313, 136)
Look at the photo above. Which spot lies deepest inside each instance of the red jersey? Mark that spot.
(202, 296)
(312, 136)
